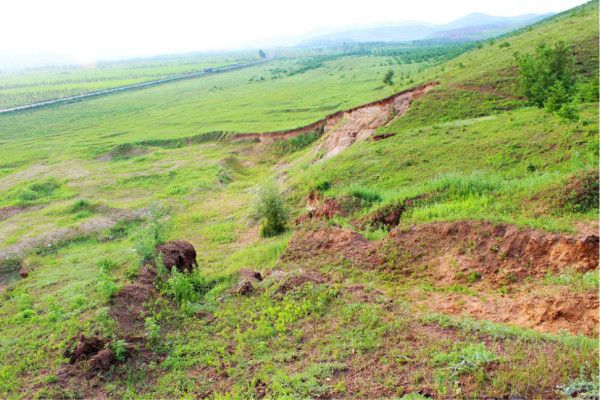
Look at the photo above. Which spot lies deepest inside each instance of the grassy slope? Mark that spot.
(460, 139)
(317, 339)
(491, 73)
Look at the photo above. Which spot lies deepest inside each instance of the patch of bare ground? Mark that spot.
(481, 255)
(52, 239)
(487, 257)
(500, 253)
(341, 129)
(9, 211)
(331, 244)
(576, 313)
(358, 124)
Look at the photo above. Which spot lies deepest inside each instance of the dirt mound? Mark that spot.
(332, 243)
(85, 347)
(327, 209)
(502, 253)
(179, 254)
(581, 192)
(288, 281)
(102, 360)
(247, 281)
(387, 216)
(576, 313)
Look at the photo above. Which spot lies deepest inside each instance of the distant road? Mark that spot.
(70, 99)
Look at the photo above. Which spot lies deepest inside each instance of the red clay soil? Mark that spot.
(128, 307)
(576, 313)
(501, 253)
(497, 255)
(332, 244)
(327, 209)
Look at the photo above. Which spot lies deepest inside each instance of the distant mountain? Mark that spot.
(470, 27)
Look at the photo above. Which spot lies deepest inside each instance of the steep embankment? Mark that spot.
(343, 128)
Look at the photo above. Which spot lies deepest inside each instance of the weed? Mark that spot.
(269, 208)
(119, 349)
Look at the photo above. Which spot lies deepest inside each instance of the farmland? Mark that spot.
(461, 296)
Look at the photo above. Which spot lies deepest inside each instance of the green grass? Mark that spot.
(40, 84)
(469, 155)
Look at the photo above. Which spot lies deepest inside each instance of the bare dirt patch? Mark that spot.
(7, 212)
(576, 313)
(343, 128)
(333, 244)
(128, 307)
(500, 253)
(358, 124)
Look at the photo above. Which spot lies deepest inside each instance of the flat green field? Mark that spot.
(88, 189)
(36, 85)
(239, 101)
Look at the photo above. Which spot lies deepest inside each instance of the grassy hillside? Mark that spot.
(486, 80)
(450, 303)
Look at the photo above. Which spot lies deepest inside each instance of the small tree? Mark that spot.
(269, 208)
(262, 54)
(387, 79)
(548, 74)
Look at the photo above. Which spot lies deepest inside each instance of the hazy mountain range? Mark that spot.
(470, 27)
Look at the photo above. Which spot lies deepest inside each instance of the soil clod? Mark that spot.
(179, 254)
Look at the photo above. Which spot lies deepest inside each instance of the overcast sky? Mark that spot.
(86, 30)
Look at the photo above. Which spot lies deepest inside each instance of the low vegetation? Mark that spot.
(353, 313)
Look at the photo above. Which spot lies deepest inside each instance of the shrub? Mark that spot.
(151, 235)
(548, 77)
(387, 79)
(152, 330)
(119, 350)
(106, 286)
(180, 287)
(269, 208)
(468, 359)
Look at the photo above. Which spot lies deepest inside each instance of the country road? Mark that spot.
(142, 85)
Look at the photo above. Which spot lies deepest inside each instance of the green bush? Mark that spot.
(151, 235)
(269, 208)
(119, 350)
(542, 72)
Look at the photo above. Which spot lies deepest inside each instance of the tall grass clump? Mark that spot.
(296, 143)
(270, 209)
(150, 235)
(365, 195)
